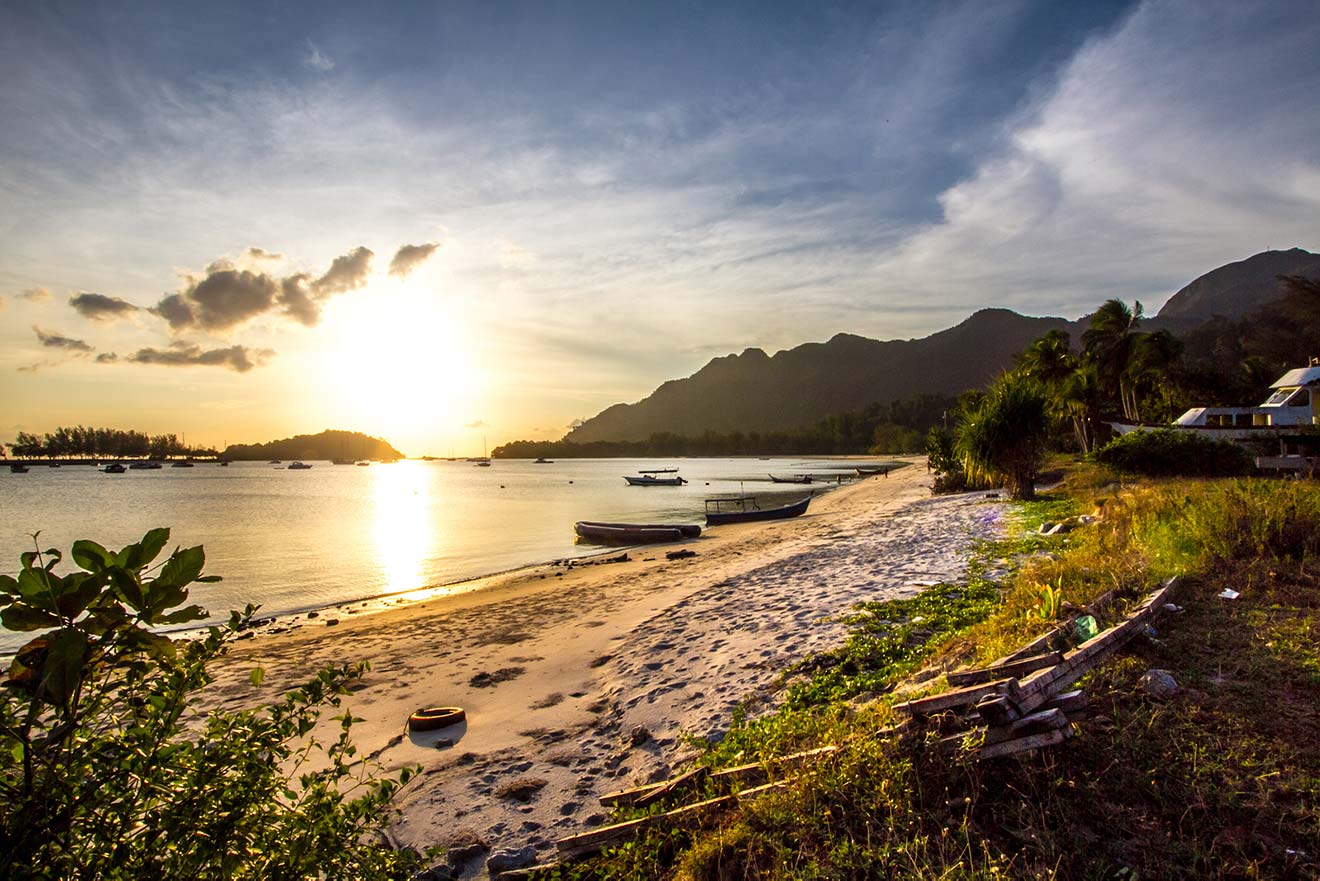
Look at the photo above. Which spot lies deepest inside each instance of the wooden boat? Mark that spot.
(652, 480)
(744, 509)
(870, 472)
(298, 466)
(633, 533)
(796, 478)
(433, 718)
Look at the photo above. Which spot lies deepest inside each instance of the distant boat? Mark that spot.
(182, 465)
(113, 468)
(18, 468)
(224, 464)
(744, 509)
(483, 463)
(53, 465)
(648, 478)
(145, 466)
(796, 478)
(275, 462)
(298, 466)
(363, 464)
(870, 472)
(541, 460)
(633, 533)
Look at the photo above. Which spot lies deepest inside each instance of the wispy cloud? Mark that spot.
(36, 295)
(240, 359)
(55, 340)
(409, 257)
(99, 307)
(317, 60)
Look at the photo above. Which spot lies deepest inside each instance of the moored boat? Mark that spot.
(113, 468)
(744, 509)
(298, 466)
(647, 477)
(796, 478)
(634, 533)
(145, 466)
(181, 464)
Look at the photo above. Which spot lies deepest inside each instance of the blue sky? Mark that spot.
(615, 192)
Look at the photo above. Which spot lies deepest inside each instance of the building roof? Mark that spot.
(1300, 376)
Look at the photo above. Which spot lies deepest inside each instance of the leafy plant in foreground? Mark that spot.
(109, 770)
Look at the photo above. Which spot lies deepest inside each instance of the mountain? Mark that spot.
(759, 392)
(1237, 288)
(326, 445)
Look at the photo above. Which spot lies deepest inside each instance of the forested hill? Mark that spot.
(1233, 290)
(763, 393)
(326, 445)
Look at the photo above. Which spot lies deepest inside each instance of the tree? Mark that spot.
(108, 769)
(1108, 341)
(1002, 440)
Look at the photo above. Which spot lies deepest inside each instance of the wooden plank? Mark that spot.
(1071, 702)
(1024, 744)
(959, 697)
(998, 709)
(758, 771)
(529, 872)
(1100, 603)
(1037, 723)
(690, 780)
(1042, 643)
(1009, 669)
(586, 843)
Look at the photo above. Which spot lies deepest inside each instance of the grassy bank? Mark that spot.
(1221, 780)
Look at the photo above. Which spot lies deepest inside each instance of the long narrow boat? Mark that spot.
(634, 533)
(870, 472)
(744, 509)
(796, 478)
(651, 480)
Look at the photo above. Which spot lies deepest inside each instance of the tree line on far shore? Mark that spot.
(94, 442)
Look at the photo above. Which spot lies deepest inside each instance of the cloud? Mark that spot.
(240, 359)
(99, 307)
(317, 60)
(228, 296)
(409, 257)
(346, 273)
(36, 295)
(107, 358)
(53, 340)
(263, 254)
(476, 423)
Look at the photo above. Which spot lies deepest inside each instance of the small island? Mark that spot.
(330, 444)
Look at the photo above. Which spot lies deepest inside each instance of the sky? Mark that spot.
(458, 224)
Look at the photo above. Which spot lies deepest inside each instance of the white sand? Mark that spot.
(592, 652)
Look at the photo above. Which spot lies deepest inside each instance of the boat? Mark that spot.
(648, 478)
(145, 466)
(744, 509)
(274, 462)
(224, 464)
(18, 468)
(181, 465)
(634, 533)
(483, 463)
(298, 466)
(796, 478)
(113, 468)
(541, 460)
(870, 472)
(363, 464)
(53, 465)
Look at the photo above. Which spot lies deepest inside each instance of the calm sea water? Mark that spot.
(293, 540)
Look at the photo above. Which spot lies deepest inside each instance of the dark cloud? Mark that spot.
(347, 273)
(409, 257)
(107, 358)
(36, 295)
(237, 358)
(263, 254)
(99, 307)
(228, 296)
(58, 341)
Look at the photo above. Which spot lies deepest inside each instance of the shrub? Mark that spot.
(109, 770)
(1170, 453)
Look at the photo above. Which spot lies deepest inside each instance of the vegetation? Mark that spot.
(1222, 780)
(1169, 453)
(329, 444)
(95, 442)
(109, 770)
(879, 429)
(1002, 440)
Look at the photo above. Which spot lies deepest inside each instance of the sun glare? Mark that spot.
(395, 365)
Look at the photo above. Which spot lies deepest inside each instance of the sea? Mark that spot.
(292, 541)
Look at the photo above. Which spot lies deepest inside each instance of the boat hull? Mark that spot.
(655, 481)
(633, 533)
(716, 518)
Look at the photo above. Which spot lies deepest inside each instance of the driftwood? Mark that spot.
(958, 697)
(1002, 669)
(754, 772)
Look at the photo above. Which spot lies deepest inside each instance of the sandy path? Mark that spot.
(559, 667)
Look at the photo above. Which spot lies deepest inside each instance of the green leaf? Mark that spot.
(129, 588)
(8, 584)
(77, 592)
(189, 613)
(256, 677)
(183, 566)
(21, 616)
(136, 556)
(63, 669)
(35, 586)
(91, 556)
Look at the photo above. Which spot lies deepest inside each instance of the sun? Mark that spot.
(396, 364)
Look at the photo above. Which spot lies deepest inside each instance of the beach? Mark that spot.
(581, 678)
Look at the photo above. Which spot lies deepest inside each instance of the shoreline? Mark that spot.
(582, 679)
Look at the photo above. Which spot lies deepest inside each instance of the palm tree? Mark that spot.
(1002, 440)
(1108, 342)
(1079, 395)
(1150, 363)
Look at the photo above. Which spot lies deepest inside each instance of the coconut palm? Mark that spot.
(1108, 341)
(1079, 395)
(1002, 440)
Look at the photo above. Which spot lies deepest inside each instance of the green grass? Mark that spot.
(1223, 780)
